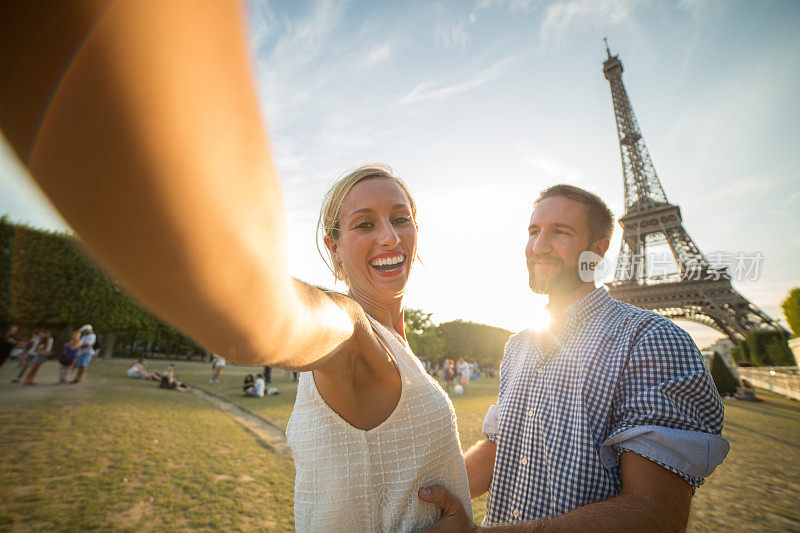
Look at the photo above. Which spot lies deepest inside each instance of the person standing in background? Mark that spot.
(217, 364)
(9, 341)
(26, 358)
(68, 357)
(40, 355)
(85, 352)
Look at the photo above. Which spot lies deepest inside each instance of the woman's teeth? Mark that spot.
(388, 264)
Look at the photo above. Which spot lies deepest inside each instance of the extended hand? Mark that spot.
(454, 517)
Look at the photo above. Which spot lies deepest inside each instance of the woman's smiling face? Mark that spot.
(377, 238)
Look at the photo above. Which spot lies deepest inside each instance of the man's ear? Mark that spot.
(600, 246)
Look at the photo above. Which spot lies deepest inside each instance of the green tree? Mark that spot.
(723, 377)
(46, 280)
(764, 347)
(417, 321)
(791, 310)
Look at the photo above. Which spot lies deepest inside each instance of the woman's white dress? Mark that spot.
(349, 479)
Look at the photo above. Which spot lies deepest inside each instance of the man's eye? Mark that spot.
(533, 232)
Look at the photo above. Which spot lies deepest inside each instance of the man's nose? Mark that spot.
(539, 244)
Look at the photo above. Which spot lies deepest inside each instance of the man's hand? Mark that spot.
(454, 517)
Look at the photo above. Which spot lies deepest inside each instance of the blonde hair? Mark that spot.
(328, 221)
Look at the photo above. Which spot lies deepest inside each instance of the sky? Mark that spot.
(480, 105)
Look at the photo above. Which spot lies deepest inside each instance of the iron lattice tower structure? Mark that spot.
(698, 291)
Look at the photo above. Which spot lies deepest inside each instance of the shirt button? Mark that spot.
(530, 412)
(524, 460)
(515, 512)
(540, 371)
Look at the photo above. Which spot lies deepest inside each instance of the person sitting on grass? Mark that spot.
(248, 382)
(138, 370)
(257, 388)
(168, 381)
(68, 357)
(746, 392)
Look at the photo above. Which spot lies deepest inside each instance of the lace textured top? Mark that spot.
(349, 479)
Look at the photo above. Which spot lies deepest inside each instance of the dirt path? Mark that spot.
(269, 434)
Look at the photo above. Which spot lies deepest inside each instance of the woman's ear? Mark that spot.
(332, 245)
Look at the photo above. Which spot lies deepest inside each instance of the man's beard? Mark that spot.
(563, 281)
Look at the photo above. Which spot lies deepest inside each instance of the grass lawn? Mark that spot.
(114, 453)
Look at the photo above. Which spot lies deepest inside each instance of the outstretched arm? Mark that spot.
(139, 120)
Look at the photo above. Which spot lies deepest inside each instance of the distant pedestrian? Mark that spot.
(8, 344)
(69, 357)
(42, 351)
(217, 364)
(463, 372)
(268, 375)
(449, 374)
(86, 351)
(26, 358)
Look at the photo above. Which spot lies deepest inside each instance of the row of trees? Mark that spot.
(451, 340)
(767, 347)
(47, 281)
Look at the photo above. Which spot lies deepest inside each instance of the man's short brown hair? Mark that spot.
(600, 219)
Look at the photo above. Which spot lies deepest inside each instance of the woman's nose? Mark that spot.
(388, 236)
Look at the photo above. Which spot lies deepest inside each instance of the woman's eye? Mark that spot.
(364, 225)
(402, 220)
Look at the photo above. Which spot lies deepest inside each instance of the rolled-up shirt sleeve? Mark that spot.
(667, 408)
(490, 424)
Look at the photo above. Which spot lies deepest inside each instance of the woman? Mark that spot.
(217, 364)
(40, 354)
(68, 357)
(368, 420)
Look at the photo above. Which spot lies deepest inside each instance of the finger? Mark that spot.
(439, 495)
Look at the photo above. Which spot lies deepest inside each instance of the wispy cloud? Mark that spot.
(565, 15)
(431, 91)
(377, 55)
(553, 169)
(452, 35)
(515, 6)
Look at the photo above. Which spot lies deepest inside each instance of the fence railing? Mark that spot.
(784, 380)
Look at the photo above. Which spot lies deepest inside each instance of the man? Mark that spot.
(86, 351)
(608, 420)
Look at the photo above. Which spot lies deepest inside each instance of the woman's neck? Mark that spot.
(389, 313)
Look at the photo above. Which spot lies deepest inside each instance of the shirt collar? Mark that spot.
(588, 305)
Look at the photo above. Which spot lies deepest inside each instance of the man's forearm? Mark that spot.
(622, 513)
(479, 460)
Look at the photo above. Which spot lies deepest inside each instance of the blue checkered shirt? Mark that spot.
(616, 379)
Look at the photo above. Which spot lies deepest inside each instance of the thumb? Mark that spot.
(439, 495)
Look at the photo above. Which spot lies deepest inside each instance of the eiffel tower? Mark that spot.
(699, 291)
